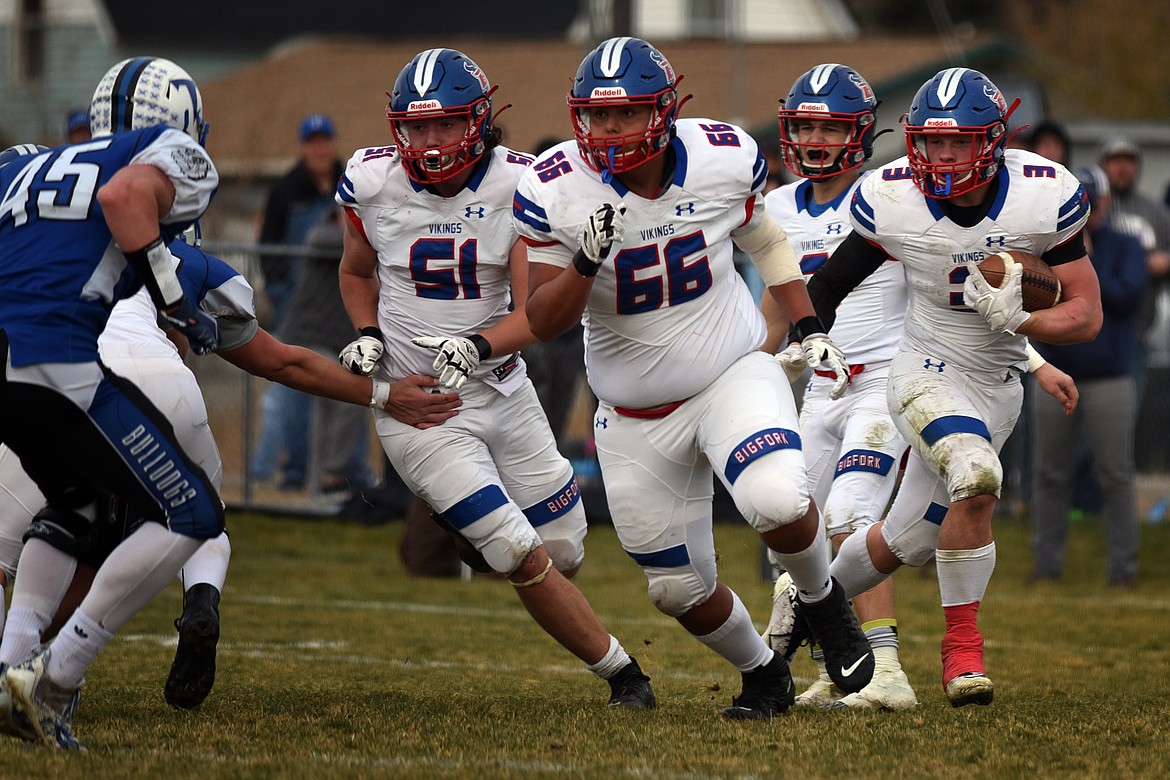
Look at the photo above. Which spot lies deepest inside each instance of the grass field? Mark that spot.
(333, 663)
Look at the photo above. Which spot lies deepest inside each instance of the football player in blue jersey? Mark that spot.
(81, 227)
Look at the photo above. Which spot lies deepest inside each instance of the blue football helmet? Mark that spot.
(144, 92)
(20, 150)
(833, 93)
(962, 106)
(619, 72)
(441, 83)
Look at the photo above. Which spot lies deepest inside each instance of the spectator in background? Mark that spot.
(295, 204)
(317, 320)
(1103, 370)
(77, 126)
(1049, 139)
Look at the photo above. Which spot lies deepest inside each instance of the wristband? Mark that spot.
(482, 346)
(807, 326)
(584, 265)
(381, 394)
(372, 332)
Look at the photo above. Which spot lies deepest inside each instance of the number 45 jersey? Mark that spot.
(668, 313)
(60, 272)
(442, 262)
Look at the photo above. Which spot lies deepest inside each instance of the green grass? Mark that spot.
(333, 663)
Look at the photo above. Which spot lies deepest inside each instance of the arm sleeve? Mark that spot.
(853, 261)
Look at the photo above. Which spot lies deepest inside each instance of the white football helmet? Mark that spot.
(144, 92)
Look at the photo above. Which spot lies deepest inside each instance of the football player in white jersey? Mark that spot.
(954, 389)
(431, 267)
(632, 225)
(852, 448)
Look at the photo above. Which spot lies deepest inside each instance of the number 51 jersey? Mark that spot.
(442, 262)
(667, 313)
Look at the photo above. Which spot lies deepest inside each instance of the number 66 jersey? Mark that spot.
(668, 313)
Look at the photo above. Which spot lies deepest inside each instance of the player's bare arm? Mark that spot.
(1077, 318)
(358, 278)
(133, 201)
(556, 299)
(512, 332)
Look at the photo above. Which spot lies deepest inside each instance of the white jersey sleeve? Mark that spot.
(443, 263)
(668, 314)
(190, 170)
(1036, 205)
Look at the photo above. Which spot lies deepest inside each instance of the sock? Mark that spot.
(853, 567)
(22, 634)
(209, 564)
(962, 644)
(809, 569)
(963, 575)
(882, 632)
(737, 639)
(75, 648)
(612, 662)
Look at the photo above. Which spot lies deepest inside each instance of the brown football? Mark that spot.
(1040, 287)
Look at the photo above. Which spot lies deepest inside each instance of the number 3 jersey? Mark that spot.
(667, 313)
(60, 272)
(1035, 205)
(442, 262)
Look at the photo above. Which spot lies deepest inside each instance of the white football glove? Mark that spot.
(791, 359)
(457, 358)
(820, 352)
(602, 230)
(364, 352)
(1002, 307)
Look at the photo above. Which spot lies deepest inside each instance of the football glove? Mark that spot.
(201, 331)
(602, 230)
(791, 359)
(1002, 307)
(457, 358)
(364, 352)
(820, 352)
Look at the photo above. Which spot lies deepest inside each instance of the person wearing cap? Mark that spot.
(296, 203)
(1105, 415)
(77, 126)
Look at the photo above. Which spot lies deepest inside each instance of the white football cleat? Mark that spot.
(970, 688)
(888, 690)
(822, 693)
(48, 706)
(786, 630)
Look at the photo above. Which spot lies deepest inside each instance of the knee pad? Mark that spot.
(504, 538)
(676, 591)
(970, 464)
(915, 543)
(768, 498)
(61, 528)
(566, 554)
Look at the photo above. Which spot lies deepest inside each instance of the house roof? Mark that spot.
(255, 111)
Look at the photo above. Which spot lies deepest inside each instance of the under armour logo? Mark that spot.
(929, 364)
(469, 212)
(601, 422)
(685, 208)
(834, 229)
(996, 240)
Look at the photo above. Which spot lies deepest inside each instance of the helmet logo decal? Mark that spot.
(948, 85)
(863, 85)
(611, 56)
(995, 96)
(818, 77)
(424, 73)
(813, 108)
(477, 74)
(660, 60)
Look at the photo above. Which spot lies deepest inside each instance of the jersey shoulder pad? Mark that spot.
(720, 152)
(366, 174)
